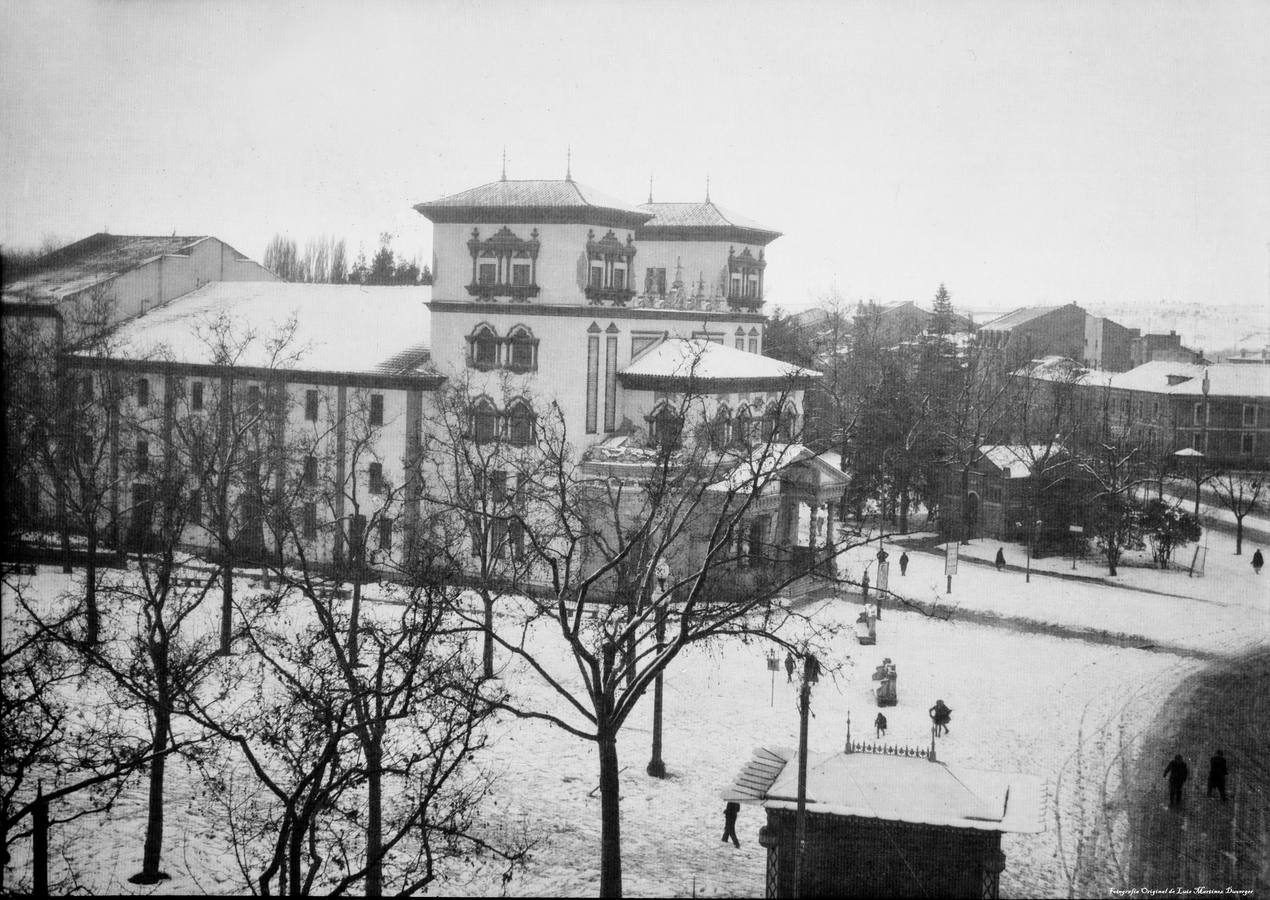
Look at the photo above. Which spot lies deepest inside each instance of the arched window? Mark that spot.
(664, 427)
(484, 421)
(522, 350)
(721, 428)
(787, 424)
(771, 422)
(520, 423)
(741, 425)
(483, 347)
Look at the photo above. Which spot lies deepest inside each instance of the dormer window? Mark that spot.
(504, 265)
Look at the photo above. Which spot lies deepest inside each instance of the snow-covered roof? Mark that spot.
(1227, 380)
(895, 788)
(1018, 317)
(1017, 460)
(93, 260)
(337, 328)
(701, 219)
(530, 195)
(1066, 370)
(705, 361)
(763, 462)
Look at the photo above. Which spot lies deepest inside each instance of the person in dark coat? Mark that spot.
(879, 725)
(1000, 558)
(789, 667)
(941, 715)
(1217, 775)
(882, 555)
(1177, 773)
(904, 563)
(864, 584)
(1257, 560)
(729, 821)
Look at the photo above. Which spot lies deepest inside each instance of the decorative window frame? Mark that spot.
(510, 415)
(484, 405)
(521, 335)
(484, 329)
(661, 416)
(612, 256)
(505, 249)
(745, 278)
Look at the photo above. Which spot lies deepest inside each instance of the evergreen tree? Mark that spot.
(943, 320)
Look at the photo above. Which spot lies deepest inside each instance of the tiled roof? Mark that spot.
(704, 360)
(93, 260)
(337, 328)
(706, 214)
(532, 194)
(1018, 317)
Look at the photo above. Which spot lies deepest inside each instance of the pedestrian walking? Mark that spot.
(882, 555)
(864, 584)
(1000, 558)
(1257, 560)
(1177, 773)
(941, 715)
(729, 822)
(1217, 775)
(789, 667)
(879, 725)
(903, 563)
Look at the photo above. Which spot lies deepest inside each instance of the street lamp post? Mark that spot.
(656, 767)
(1028, 539)
(811, 675)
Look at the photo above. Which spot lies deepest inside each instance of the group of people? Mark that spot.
(1177, 772)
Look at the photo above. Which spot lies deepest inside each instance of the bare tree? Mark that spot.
(1238, 492)
(597, 540)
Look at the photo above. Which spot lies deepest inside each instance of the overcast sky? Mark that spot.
(1021, 152)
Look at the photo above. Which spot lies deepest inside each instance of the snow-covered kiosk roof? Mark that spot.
(897, 785)
(710, 366)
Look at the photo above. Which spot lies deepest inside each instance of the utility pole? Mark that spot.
(656, 767)
(811, 674)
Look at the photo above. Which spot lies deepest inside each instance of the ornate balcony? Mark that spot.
(615, 296)
(520, 293)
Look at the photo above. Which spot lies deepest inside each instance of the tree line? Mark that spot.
(324, 260)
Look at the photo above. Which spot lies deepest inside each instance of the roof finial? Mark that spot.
(650, 187)
(707, 187)
(504, 178)
(568, 163)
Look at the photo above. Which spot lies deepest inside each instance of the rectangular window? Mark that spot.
(195, 504)
(520, 274)
(516, 538)
(311, 405)
(375, 475)
(1250, 414)
(377, 409)
(1247, 442)
(654, 281)
(754, 345)
(619, 278)
(385, 534)
(498, 485)
(498, 538)
(143, 392)
(736, 285)
(310, 471)
(143, 457)
(592, 382)
(478, 539)
(488, 273)
(196, 396)
(1199, 420)
(310, 521)
(610, 383)
(740, 342)
(597, 276)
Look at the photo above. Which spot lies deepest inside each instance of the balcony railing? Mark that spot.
(519, 292)
(613, 295)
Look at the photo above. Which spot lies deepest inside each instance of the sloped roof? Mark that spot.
(95, 259)
(1017, 460)
(1155, 375)
(681, 359)
(1227, 380)
(530, 197)
(701, 219)
(1064, 369)
(337, 328)
(758, 466)
(1018, 317)
(895, 788)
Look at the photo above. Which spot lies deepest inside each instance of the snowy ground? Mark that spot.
(1070, 710)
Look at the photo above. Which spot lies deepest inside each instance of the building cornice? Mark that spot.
(531, 215)
(592, 312)
(740, 385)
(719, 233)
(421, 382)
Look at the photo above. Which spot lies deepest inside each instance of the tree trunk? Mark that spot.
(1239, 535)
(374, 819)
(153, 848)
(294, 855)
(354, 614)
(93, 632)
(487, 652)
(610, 817)
(226, 600)
(904, 501)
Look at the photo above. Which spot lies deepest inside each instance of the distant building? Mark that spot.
(1161, 348)
(128, 274)
(1108, 344)
(1034, 332)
